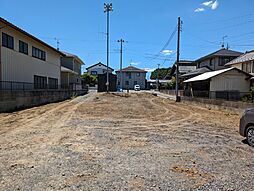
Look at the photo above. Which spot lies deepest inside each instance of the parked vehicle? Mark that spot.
(247, 126)
(137, 87)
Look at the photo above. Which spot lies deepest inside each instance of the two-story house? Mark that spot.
(24, 58)
(71, 70)
(218, 59)
(131, 76)
(212, 62)
(99, 68)
(244, 62)
(185, 66)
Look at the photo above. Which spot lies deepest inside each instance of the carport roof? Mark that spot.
(209, 75)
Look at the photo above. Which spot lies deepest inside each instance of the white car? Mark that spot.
(137, 87)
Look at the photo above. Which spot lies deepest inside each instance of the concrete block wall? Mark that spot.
(16, 100)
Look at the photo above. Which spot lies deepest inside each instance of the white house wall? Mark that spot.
(99, 69)
(230, 81)
(141, 80)
(20, 67)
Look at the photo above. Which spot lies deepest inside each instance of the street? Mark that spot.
(121, 141)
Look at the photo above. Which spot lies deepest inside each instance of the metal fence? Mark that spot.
(24, 86)
(223, 95)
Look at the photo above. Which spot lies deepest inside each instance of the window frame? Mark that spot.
(52, 83)
(7, 41)
(40, 82)
(38, 53)
(94, 73)
(23, 47)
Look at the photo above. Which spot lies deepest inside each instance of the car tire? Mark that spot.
(250, 135)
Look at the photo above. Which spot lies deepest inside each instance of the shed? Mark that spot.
(220, 83)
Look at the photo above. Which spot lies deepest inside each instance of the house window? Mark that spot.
(223, 61)
(252, 66)
(138, 74)
(94, 73)
(211, 62)
(7, 41)
(37, 53)
(40, 82)
(126, 83)
(244, 67)
(128, 74)
(23, 47)
(53, 83)
(118, 83)
(248, 67)
(135, 83)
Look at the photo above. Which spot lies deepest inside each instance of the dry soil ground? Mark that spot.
(123, 142)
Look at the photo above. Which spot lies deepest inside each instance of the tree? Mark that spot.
(172, 83)
(163, 72)
(89, 79)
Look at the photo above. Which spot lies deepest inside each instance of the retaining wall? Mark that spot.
(16, 100)
(172, 92)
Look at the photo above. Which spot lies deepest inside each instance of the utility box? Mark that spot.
(102, 80)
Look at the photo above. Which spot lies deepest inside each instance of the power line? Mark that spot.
(232, 26)
(227, 19)
(204, 40)
(167, 43)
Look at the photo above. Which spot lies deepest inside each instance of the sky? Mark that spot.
(147, 26)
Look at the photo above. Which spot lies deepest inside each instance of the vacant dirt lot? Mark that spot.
(123, 142)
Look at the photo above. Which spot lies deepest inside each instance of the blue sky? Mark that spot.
(146, 25)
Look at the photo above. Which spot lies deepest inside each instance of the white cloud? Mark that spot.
(134, 63)
(215, 5)
(167, 52)
(210, 4)
(149, 69)
(207, 3)
(199, 10)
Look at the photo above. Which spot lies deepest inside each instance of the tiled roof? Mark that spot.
(132, 69)
(221, 52)
(198, 71)
(99, 64)
(73, 56)
(248, 56)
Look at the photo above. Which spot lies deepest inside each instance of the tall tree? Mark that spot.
(163, 73)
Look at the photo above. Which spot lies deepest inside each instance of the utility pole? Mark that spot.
(158, 77)
(178, 59)
(121, 62)
(107, 9)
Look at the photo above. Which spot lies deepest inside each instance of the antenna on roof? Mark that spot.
(57, 43)
(223, 41)
(228, 46)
